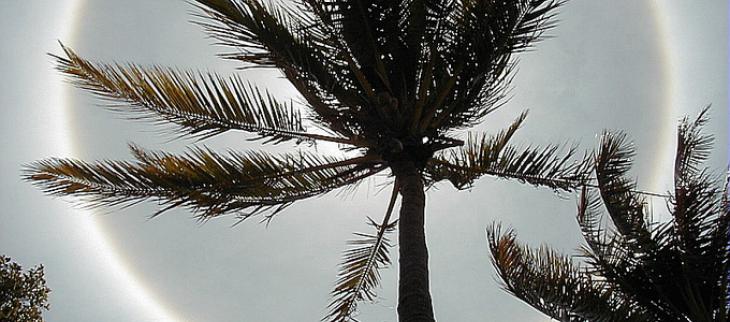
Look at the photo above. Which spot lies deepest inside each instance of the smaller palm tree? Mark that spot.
(634, 269)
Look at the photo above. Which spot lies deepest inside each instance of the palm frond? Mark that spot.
(209, 184)
(359, 272)
(422, 26)
(492, 155)
(272, 36)
(693, 147)
(671, 269)
(200, 104)
(697, 197)
(720, 242)
(424, 21)
(421, 67)
(370, 29)
(696, 206)
(257, 30)
(384, 39)
(625, 207)
(552, 284)
(610, 254)
(606, 253)
(589, 219)
(699, 229)
(513, 268)
(480, 38)
(627, 257)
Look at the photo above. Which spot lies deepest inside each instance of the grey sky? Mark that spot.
(605, 67)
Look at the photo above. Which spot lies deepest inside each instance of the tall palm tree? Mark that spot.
(634, 269)
(390, 81)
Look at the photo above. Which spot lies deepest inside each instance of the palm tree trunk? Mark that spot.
(414, 297)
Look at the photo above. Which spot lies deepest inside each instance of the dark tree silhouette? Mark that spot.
(23, 295)
(634, 269)
(392, 80)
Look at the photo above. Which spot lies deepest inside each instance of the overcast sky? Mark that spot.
(630, 65)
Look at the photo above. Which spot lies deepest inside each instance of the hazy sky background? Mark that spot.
(631, 65)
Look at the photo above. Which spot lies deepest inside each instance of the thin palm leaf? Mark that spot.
(359, 272)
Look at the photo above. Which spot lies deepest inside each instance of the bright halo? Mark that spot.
(101, 248)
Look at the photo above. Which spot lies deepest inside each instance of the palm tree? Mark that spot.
(391, 82)
(634, 269)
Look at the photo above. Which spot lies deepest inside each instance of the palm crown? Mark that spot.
(635, 270)
(391, 80)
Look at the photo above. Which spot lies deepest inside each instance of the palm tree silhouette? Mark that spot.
(634, 270)
(390, 81)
